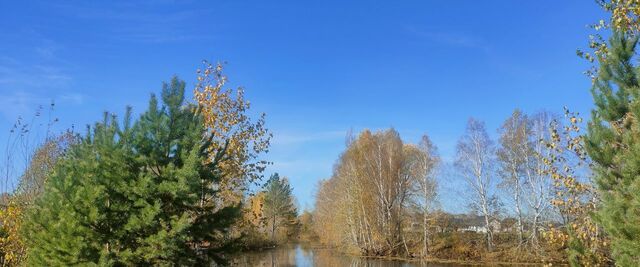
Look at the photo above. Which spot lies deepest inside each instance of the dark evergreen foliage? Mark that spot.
(279, 209)
(613, 143)
(136, 194)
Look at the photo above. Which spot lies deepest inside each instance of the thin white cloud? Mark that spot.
(73, 98)
(36, 80)
(22, 103)
(284, 138)
(139, 23)
(290, 157)
(16, 77)
(45, 70)
(47, 50)
(299, 168)
(449, 38)
(18, 103)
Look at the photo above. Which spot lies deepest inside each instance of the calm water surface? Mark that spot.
(301, 255)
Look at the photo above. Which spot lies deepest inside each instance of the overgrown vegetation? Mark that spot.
(180, 185)
(164, 189)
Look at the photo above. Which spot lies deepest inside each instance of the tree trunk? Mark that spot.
(426, 235)
(519, 211)
(273, 229)
(487, 226)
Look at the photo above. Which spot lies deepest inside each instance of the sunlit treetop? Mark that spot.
(233, 130)
(623, 16)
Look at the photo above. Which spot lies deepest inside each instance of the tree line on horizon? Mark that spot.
(573, 194)
(178, 184)
(382, 199)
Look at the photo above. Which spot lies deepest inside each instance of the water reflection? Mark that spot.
(300, 255)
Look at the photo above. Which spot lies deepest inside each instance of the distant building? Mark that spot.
(480, 227)
(441, 222)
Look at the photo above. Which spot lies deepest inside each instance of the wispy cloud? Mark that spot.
(473, 42)
(288, 138)
(23, 103)
(303, 167)
(42, 69)
(139, 22)
(73, 98)
(449, 38)
(29, 82)
(305, 155)
(47, 50)
(15, 77)
(16, 104)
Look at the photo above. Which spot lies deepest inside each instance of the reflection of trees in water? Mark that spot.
(327, 257)
(301, 255)
(281, 257)
(306, 251)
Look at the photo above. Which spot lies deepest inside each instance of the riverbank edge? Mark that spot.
(316, 245)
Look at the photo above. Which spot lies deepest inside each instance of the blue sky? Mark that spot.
(316, 68)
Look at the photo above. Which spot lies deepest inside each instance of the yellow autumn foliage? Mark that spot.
(237, 139)
(12, 246)
(575, 198)
(622, 16)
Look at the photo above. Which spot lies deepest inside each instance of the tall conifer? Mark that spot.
(613, 143)
(136, 195)
(279, 209)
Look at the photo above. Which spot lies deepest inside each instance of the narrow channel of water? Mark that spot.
(301, 255)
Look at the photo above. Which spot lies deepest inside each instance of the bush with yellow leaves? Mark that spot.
(568, 164)
(234, 133)
(12, 246)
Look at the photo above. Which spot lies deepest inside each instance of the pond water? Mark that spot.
(301, 255)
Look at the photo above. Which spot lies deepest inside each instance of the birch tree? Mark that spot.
(474, 161)
(538, 186)
(428, 160)
(364, 205)
(512, 158)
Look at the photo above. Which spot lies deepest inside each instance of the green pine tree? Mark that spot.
(613, 143)
(279, 209)
(132, 195)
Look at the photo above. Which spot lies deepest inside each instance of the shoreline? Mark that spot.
(316, 246)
